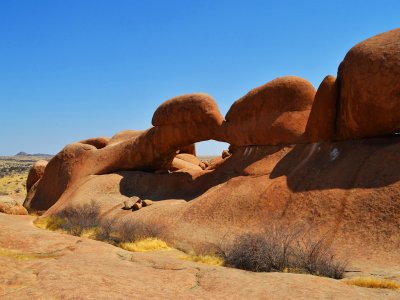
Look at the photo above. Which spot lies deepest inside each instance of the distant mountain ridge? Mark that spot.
(36, 154)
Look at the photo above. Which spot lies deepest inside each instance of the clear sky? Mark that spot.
(71, 70)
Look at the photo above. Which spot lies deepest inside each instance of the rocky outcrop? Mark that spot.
(321, 122)
(285, 126)
(35, 173)
(152, 149)
(274, 113)
(369, 98)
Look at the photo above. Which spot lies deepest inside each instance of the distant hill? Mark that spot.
(36, 154)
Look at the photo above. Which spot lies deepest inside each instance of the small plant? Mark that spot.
(146, 244)
(51, 223)
(91, 233)
(372, 282)
(205, 259)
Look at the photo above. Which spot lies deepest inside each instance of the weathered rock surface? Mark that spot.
(59, 266)
(321, 122)
(98, 143)
(35, 173)
(274, 113)
(369, 102)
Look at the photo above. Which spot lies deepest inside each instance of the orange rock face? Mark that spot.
(191, 108)
(321, 122)
(275, 113)
(35, 173)
(368, 77)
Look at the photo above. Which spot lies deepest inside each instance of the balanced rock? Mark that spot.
(35, 173)
(274, 113)
(369, 102)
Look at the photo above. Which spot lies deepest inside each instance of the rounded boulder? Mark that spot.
(369, 81)
(274, 113)
(190, 108)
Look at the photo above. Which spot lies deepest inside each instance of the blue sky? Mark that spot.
(71, 70)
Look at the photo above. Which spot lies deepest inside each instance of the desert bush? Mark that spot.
(134, 230)
(105, 231)
(80, 217)
(316, 257)
(283, 249)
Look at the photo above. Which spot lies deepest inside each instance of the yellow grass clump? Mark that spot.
(51, 223)
(372, 282)
(147, 244)
(205, 259)
(25, 255)
(90, 233)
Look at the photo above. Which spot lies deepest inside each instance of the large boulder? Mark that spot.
(274, 113)
(35, 173)
(321, 122)
(369, 81)
(190, 108)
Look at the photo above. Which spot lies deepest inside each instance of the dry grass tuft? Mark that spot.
(205, 259)
(50, 223)
(147, 244)
(372, 282)
(91, 233)
(26, 255)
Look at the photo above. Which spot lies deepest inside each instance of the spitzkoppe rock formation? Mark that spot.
(328, 158)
